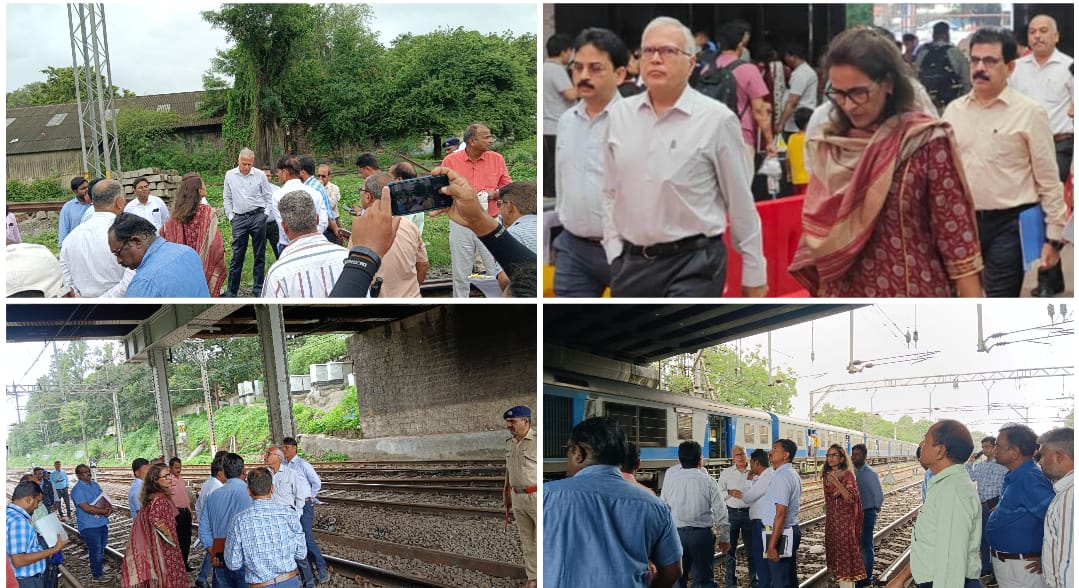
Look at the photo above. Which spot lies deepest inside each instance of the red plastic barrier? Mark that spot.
(781, 228)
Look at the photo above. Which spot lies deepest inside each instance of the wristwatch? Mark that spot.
(1057, 244)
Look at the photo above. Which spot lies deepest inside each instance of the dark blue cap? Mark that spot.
(451, 142)
(518, 412)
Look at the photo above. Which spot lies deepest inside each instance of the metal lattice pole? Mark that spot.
(93, 90)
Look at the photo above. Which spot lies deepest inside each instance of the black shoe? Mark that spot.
(1050, 282)
(188, 568)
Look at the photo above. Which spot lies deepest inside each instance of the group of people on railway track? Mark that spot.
(603, 527)
(254, 523)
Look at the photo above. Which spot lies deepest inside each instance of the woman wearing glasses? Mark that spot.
(887, 212)
(152, 557)
(843, 522)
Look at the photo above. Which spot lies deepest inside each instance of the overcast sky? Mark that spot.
(164, 47)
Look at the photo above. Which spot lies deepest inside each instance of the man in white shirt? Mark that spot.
(147, 205)
(598, 70)
(558, 95)
(87, 263)
(675, 171)
(733, 479)
(1058, 462)
(246, 199)
(755, 489)
(517, 203)
(310, 266)
(288, 174)
(802, 91)
(1043, 75)
(697, 506)
(290, 490)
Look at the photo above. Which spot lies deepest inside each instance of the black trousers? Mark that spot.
(245, 226)
(1002, 253)
(1065, 149)
(698, 273)
(183, 532)
(548, 166)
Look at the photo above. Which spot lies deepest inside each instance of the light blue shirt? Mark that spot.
(695, 500)
(169, 270)
(600, 531)
(70, 217)
(307, 472)
(785, 489)
(288, 491)
(579, 169)
(87, 493)
(220, 508)
(869, 487)
(59, 479)
(989, 475)
(265, 540)
(133, 497)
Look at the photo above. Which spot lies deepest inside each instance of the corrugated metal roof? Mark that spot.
(29, 125)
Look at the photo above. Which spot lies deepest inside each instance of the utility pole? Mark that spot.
(203, 360)
(93, 90)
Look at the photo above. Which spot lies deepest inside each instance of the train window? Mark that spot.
(763, 432)
(749, 434)
(646, 426)
(685, 427)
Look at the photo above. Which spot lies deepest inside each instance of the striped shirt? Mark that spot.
(989, 475)
(265, 540)
(22, 538)
(308, 268)
(1057, 541)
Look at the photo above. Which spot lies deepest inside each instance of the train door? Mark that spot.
(811, 443)
(846, 443)
(718, 436)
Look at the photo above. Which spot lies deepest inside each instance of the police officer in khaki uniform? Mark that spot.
(520, 490)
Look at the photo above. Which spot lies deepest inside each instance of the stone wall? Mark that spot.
(452, 369)
(163, 183)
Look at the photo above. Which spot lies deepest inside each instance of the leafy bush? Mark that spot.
(344, 416)
(41, 189)
(305, 351)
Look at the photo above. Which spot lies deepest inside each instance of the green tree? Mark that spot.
(58, 88)
(141, 133)
(859, 14)
(269, 39)
(735, 378)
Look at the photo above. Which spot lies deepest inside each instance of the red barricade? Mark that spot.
(781, 227)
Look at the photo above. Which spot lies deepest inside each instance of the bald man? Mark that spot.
(1043, 75)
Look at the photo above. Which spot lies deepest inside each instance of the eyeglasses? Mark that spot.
(322, 175)
(988, 61)
(165, 476)
(665, 52)
(859, 95)
(121, 249)
(595, 67)
(833, 455)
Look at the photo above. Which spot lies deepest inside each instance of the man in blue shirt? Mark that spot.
(265, 541)
(59, 483)
(162, 269)
(600, 530)
(307, 519)
(92, 521)
(73, 210)
(217, 516)
(1016, 525)
(872, 494)
(139, 467)
(781, 505)
(989, 476)
(26, 554)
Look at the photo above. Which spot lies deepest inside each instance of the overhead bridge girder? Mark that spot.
(172, 324)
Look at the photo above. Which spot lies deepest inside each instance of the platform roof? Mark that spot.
(644, 333)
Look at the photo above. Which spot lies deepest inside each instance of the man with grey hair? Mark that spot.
(290, 490)
(404, 267)
(87, 263)
(1058, 464)
(310, 265)
(487, 173)
(247, 206)
(675, 173)
(1044, 76)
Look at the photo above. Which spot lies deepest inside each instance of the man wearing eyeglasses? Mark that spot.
(162, 269)
(1006, 147)
(87, 265)
(598, 69)
(323, 175)
(675, 171)
(558, 95)
(1044, 76)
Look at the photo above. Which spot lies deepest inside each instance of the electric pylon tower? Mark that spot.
(93, 90)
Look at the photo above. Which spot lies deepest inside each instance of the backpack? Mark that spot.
(719, 83)
(937, 75)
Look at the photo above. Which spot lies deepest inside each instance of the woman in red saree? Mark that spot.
(843, 519)
(194, 223)
(887, 211)
(152, 558)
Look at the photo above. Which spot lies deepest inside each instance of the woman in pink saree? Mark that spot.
(152, 558)
(194, 223)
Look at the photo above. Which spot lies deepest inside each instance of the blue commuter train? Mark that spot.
(659, 421)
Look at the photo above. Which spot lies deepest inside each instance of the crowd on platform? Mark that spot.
(917, 164)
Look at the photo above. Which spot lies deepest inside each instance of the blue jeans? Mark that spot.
(987, 564)
(307, 521)
(582, 269)
(61, 493)
(740, 526)
(95, 539)
(698, 557)
(869, 520)
(784, 573)
(226, 578)
(204, 571)
(755, 550)
(305, 576)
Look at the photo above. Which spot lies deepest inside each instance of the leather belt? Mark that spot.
(991, 503)
(672, 248)
(735, 508)
(258, 210)
(999, 213)
(528, 490)
(1002, 556)
(593, 240)
(1058, 137)
(280, 578)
